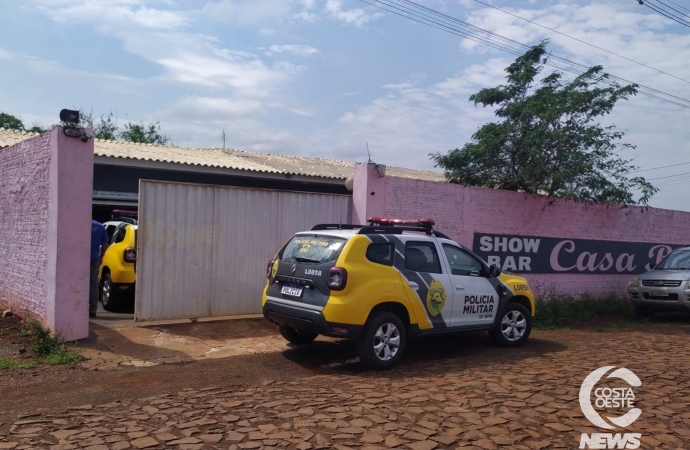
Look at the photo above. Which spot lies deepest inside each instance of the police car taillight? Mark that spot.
(269, 268)
(130, 255)
(337, 279)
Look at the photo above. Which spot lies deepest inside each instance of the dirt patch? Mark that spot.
(15, 342)
(146, 346)
(450, 391)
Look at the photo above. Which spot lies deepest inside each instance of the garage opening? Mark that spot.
(194, 250)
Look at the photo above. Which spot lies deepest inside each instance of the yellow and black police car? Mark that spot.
(389, 281)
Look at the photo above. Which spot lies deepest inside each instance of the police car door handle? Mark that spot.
(413, 285)
(459, 287)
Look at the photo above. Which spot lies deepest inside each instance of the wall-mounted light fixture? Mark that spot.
(70, 121)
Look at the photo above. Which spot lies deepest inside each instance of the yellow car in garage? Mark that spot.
(118, 270)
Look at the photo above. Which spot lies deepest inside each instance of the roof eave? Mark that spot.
(181, 167)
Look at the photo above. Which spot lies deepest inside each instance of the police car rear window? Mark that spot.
(313, 249)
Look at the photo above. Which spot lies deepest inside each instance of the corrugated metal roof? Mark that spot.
(11, 137)
(229, 159)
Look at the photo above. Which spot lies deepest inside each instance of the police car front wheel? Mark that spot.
(513, 327)
(382, 342)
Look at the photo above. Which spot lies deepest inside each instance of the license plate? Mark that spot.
(659, 293)
(291, 291)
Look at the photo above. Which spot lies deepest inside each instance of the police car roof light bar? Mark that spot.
(123, 212)
(423, 223)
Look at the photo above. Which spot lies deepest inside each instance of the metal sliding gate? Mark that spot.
(203, 250)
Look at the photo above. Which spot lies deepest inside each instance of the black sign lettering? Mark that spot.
(478, 304)
(533, 254)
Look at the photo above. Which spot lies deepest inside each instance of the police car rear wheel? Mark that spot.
(109, 297)
(382, 342)
(514, 326)
(296, 337)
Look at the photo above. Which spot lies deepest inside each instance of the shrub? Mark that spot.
(562, 311)
(49, 347)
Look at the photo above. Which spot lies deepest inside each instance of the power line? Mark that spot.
(669, 176)
(439, 21)
(671, 7)
(680, 6)
(527, 47)
(665, 14)
(674, 182)
(670, 98)
(661, 167)
(450, 30)
(584, 42)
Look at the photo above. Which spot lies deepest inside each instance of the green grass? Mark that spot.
(564, 312)
(46, 348)
(14, 364)
(62, 356)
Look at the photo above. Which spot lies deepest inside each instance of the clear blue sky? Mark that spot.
(319, 78)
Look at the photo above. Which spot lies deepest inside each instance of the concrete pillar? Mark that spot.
(69, 235)
(369, 192)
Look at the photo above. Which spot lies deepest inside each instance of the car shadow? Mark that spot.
(446, 353)
(109, 340)
(220, 330)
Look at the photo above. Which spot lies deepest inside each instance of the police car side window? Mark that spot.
(110, 229)
(120, 235)
(383, 253)
(422, 257)
(460, 262)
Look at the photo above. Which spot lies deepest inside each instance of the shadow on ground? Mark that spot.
(444, 352)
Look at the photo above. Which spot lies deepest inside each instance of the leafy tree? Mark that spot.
(103, 128)
(14, 123)
(547, 140)
(11, 122)
(106, 127)
(145, 134)
(37, 128)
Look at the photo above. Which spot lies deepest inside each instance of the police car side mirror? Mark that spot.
(494, 271)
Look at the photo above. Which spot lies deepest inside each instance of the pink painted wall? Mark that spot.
(460, 211)
(45, 210)
(24, 187)
(368, 193)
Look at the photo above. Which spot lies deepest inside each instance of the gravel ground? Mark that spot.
(450, 392)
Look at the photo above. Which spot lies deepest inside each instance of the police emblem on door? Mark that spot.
(435, 298)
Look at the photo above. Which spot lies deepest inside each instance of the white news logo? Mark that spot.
(605, 398)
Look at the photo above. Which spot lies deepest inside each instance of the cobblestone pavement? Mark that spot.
(510, 398)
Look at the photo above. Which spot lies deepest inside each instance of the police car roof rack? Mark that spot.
(392, 230)
(335, 226)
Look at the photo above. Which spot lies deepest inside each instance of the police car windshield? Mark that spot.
(678, 260)
(313, 249)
